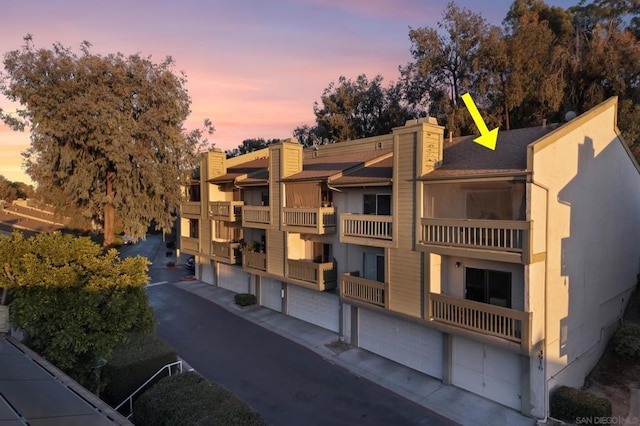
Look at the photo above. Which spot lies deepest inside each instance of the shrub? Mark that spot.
(569, 404)
(626, 341)
(245, 299)
(190, 399)
(132, 363)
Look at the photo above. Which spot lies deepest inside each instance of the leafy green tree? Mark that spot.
(357, 109)
(250, 145)
(443, 66)
(10, 191)
(73, 302)
(106, 132)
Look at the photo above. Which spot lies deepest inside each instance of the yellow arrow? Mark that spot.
(487, 138)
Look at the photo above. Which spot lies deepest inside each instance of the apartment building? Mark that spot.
(501, 272)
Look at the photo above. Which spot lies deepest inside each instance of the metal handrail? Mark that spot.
(130, 397)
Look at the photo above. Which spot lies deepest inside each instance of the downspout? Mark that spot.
(546, 303)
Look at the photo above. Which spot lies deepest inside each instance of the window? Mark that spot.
(373, 266)
(322, 252)
(379, 204)
(194, 229)
(265, 199)
(487, 286)
(194, 192)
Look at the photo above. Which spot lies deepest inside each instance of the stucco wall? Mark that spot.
(593, 239)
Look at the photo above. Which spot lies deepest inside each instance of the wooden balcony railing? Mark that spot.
(509, 324)
(320, 276)
(309, 220)
(229, 211)
(365, 229)
(191, 208)
(190, 244)
(363, 290)
(225, 251)
(508, 240)
(256, 216)
(254, 260)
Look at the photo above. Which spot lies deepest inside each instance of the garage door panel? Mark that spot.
(319, 308)
(232, 278)
(271, 294)
(488, 371)
(402, 341)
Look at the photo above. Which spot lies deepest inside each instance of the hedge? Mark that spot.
(569, 404)
(188, 398)
(626, 341)
(245, 299)
(132, 363)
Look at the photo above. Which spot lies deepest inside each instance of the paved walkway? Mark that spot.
(456, 404)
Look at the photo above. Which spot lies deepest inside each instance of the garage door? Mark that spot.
(316, 307)
(404, 342)
(207, 272)
(271, 293)
(488, 371)
(233, 278)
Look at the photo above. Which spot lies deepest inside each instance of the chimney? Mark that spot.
(427, 138)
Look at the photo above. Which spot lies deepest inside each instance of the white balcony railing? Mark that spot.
(191, 208)
(507, 235)
(254, 260)
(256, 216)
(190, 244)
(372, 230)
(321, 276)
(310, 220)
(229, 211)
(509, 324)
(225, 251)
(363, 290)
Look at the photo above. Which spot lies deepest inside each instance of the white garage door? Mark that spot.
(488, 371)
(316, 307)
(271, 293)
(233, 278)
(207, 272)
(404, 342)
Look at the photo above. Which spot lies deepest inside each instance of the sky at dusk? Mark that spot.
(254, 67)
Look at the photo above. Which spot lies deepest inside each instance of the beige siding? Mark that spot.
(292, 159)
(215, 164)
(405, 282)
(275, 187)
(404, 189)
(275, 247)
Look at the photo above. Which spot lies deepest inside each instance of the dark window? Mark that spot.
(265, 198)
(373, 267)
(487, 286)
(379, 204)
(194, 192)
(193, 228)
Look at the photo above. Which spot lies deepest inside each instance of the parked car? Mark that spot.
(191, 264)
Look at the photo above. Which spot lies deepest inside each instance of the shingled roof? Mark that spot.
(321, 168)
(463, 157)
(253, 167)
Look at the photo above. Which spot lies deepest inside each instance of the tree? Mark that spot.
(106, 132)
(443, 67)
(10, 191)
(357, 109)
(250, 145)
(73, 302)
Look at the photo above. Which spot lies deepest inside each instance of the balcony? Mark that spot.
(353, 288)
(501, 240)
(225, 251)
(366, 229)
(190, 245)
(190, 208)
(317, 276)
(256, 217)
(254, 261)
(505, 323)
(228, 211)
(309, 220)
